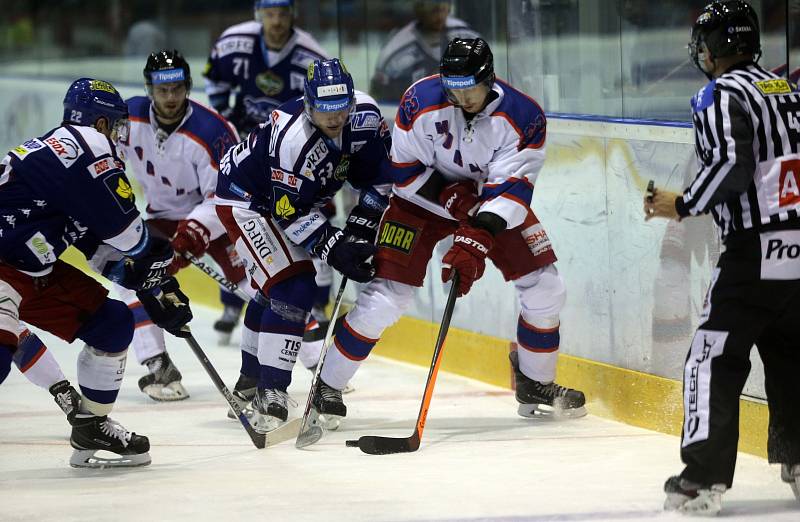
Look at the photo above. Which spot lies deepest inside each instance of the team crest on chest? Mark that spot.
(341, 170)
(270, 83)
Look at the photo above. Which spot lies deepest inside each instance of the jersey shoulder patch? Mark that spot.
(524, 114)
(67, 147)
(139, 108)
(774, 86)
(423, 96)
(704, 97)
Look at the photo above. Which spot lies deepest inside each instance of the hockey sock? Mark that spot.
(5, 361)
(148, 339)
(100, 377)
(249, 346)
(36, 362)
(281, 330)
(110, 329)
(538, 339)
(322, 296)
(345, 356)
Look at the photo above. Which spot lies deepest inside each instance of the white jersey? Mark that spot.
(178, 172)
(501, 148)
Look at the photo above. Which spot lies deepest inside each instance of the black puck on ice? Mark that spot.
(352, 443)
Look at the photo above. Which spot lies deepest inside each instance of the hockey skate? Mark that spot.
(243, 394)
(539, 399)
(791, 475)
(67, 398)
(163, 383)
(693, 499)
(270, 409)
(328, 405)
(91, 434)
(224, 325)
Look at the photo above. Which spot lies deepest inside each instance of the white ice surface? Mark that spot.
(478, 459)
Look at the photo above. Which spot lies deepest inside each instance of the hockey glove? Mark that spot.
(142, 272)
(363, 223)
(350, 255)
(191, 236)
(460, 199)
(467, 256)
(167, 306)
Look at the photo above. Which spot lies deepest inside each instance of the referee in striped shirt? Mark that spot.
(747, 135)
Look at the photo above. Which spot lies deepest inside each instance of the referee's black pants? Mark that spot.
(742, 310)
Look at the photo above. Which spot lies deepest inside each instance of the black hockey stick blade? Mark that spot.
(375, 445)
(259, 439)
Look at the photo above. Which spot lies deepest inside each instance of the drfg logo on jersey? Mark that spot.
(257, 234)
(706, 345)
(780, 255)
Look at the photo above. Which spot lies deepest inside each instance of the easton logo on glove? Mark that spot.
(471, 242)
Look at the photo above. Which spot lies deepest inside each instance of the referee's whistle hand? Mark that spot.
(660, 203)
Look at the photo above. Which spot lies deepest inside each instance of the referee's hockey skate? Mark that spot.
(693, 499)
(92, 434)
(163, 382)
(791, 475)
(539, 399)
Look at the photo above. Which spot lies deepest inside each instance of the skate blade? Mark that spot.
(247, 410)
(540, 411)
(796, 489)
(173, 391)
(89, 459)
(330, 422)
(705, 504)
(286, 431)
(266, 423)
(224, 338)
(348, 388)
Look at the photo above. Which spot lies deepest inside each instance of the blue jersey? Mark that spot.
(262, 79)
(66, 186)
(288, 169)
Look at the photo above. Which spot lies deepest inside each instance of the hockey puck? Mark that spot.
(352, 443)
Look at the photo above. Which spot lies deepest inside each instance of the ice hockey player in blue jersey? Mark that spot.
(263, 62)
(270, 194)
(68, 187)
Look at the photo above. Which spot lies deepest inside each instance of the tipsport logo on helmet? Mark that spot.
(458, 82)
(168, 76)
(100, 85)
(265, 4)
(331, 106)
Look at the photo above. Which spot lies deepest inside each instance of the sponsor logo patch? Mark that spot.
(234, 44)
(101, 167)
(397, 237)
(537, 239)
(121, 192)
(773, 87)
(316, 155)
(284, 208)
(780, 255)
(331, 90)
(26, 148)
(65, 148)
(100, 85)
(41, 249)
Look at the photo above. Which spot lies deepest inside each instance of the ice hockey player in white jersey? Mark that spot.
(68, 187)
(262, 62)
(466, 150)
(271, 193)
(173, 150)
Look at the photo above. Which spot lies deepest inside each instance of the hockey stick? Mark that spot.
(375, 445)
(260, 440)
(310, 430)
(219, 278)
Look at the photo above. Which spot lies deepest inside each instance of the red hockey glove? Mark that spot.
(460, 199)
(467, 256)
(191, 236)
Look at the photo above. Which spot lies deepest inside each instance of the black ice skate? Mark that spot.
(270, 409)
(791, 475)
(243, 394)
(163, 383)
(328, 404)
(67, 398)
(224, 325)
(691, 498)
(539, 399)
(91, 434)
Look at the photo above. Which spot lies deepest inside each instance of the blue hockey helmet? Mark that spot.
(328, 87)
(88, 100)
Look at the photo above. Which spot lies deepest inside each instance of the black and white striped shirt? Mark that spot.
(747, 135)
